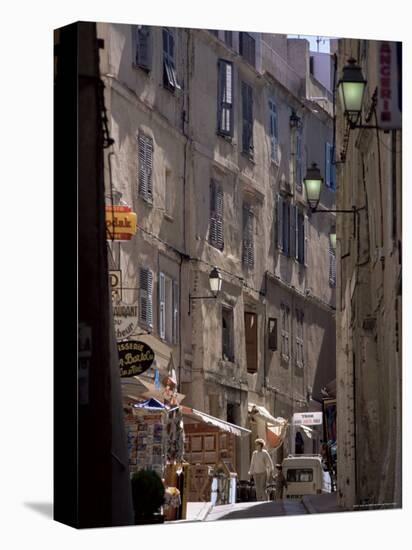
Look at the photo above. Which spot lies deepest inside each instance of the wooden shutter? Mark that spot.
(162, 306)
(145, 296)
(298, 159)
(248, 237)
(293, 212)
(247, 116)
(279, 221)
(219, 217)
(143, 54)
(145, 160)
(225, 97)
(286, 228)
(251, 341)
(175, 301)
(273, 126)
(216, 231)
(306, 241)
(327, 164)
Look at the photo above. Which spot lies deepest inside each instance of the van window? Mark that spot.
(299, 475)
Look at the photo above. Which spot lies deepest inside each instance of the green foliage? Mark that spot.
(147, 492)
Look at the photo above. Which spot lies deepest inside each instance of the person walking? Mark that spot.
(279, 482)
(261, 467)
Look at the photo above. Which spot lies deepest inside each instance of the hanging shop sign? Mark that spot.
(134, 357)
(307, 419)
(115, 279)
(121, 223)
(390, 85)
(125, 319)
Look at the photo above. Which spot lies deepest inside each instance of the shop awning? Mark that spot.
(213, 421)
(308, 431)
(275, 435)
(158, 393)
(259, 411)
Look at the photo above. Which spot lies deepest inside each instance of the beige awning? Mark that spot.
(213, 421)
(162, 351)
(308, 431)
(259, 411)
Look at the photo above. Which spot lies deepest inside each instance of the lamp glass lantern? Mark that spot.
(351, 89)
(313, 185)
(215, 281)
(332, 238)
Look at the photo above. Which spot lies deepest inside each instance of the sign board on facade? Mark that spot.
(115, 279)
(134, 357)
(389, 85)
(125, 319)
(121, 223)
(307, 419)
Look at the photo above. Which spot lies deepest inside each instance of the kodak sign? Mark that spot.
(121, 223)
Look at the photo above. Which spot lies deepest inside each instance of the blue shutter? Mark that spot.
(279, 221)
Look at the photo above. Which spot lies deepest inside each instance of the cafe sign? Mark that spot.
(121, 223)
(134, 357)
(125, 319)
(307, 419)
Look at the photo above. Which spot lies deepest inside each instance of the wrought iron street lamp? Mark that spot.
(332, 238)
(351, 89)
(215, 283)
(313, 185)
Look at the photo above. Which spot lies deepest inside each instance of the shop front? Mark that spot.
(210, 450)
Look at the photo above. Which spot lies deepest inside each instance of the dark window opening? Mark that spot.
(247, 48)
(251, 341)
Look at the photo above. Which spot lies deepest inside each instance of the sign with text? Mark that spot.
(115, 279)
(307, 419)
(134, 357)
(389, 85)
(121, 223)
(125, 319)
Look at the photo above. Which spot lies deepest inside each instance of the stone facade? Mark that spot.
(369, 308)
(226, 196)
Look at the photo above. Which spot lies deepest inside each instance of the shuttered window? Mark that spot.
(229, 38)
(145, 163)
(330, 168)
(273, 131)
(216, 232)
(169, 71)
(332, 267)
(168, 309)
(285, 316)
(251, 341)
(248, 257)
(300, 234)
(298, 159)
(146, 297)
(247, 48)
(286, 227)
(225, 98)
(142, 46)
(293, 246)
(247, 119)
(306, 241)
(299, 339)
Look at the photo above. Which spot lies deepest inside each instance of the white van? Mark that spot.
(304, 475)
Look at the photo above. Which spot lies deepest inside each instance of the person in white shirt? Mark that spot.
(261, 467)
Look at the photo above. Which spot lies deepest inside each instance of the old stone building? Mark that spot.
(369, 289)
(213, 134)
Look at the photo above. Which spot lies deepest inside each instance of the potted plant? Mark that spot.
(148, 496)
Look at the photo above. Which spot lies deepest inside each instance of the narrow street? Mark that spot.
(244, 510)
